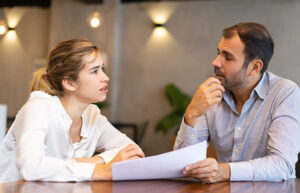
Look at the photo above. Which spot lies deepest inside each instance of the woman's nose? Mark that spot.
(104, 77)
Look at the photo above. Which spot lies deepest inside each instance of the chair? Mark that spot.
(298, 167)
(137, 130)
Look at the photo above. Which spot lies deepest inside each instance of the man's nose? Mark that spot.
(217, 62)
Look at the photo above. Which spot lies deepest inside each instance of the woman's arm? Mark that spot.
(95, 160)
(111, 140)
(104, 171)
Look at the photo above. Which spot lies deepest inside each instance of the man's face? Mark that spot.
(229, 63)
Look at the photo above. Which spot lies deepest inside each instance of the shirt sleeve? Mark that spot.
(283, 144)
(32, 161)
(111, 140)
(188, 136)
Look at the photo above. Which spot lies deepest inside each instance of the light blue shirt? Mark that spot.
(263, 142)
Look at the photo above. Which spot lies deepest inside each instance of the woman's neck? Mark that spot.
(73, 107)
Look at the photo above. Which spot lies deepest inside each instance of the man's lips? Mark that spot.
(219, 75)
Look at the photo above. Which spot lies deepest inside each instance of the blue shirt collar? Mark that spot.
(260, 89)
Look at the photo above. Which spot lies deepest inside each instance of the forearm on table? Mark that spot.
(268, 168)
(95, 160)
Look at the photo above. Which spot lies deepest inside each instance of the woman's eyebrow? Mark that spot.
(94, 67)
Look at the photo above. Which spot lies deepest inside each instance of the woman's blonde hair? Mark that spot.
(64, 62)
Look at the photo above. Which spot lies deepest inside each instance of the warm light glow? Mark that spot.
(11, 35)
(160, 32)
(161, 12)
(160, 19)
(2, 29)
(14, 15)
(95, 20)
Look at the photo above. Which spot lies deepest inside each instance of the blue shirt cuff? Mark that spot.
(188, 134)
(241, 171)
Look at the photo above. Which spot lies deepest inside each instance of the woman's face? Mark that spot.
(92, 82)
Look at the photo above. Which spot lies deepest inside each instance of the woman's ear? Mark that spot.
(255, 67)
(69, 85)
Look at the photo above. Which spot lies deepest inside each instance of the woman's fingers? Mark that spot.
(129, 152)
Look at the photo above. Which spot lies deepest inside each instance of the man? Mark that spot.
(251, 116)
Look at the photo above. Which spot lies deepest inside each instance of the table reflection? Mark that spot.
(152, 186)
(263, 187)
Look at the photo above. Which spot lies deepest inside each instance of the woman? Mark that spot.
(58, 130)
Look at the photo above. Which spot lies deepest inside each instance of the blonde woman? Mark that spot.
(58, 130)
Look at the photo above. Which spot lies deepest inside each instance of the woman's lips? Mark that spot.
(104, 89)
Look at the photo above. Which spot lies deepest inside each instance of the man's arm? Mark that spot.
(283, 143)
(282, 150)
(207, 94)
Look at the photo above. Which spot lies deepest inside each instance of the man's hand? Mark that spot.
(209, 171)
(207, 94)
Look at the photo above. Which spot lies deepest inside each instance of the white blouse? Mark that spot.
(38, 145)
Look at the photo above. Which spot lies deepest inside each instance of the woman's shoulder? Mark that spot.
(40, 101)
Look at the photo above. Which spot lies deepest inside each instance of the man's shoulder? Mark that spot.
(280, 84)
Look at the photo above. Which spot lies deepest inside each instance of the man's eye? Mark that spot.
(228, 57)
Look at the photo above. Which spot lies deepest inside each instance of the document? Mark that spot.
(166, 165)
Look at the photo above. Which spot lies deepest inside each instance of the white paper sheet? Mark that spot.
(166, 165)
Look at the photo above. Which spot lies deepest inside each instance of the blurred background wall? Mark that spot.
(140, 62)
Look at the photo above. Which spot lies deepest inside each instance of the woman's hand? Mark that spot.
(104, 171)
(129, 152)
(95, 160)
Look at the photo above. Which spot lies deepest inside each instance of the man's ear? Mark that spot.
(255, 67)
(69, 85)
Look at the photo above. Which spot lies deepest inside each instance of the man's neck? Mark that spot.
(241, 95)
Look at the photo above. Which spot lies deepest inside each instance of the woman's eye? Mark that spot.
(103, 69)
(95, 72)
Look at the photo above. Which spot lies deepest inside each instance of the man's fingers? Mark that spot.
(215, 94)
(203, 171)
(214, 87)
(210, 81)
(200, 164)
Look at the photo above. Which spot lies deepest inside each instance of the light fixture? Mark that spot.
(10, 28)
(95, 20)
(158, 25)
(159, 30)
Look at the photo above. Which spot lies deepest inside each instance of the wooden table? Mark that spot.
(152, 186)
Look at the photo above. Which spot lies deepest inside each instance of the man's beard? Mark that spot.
(235, 81)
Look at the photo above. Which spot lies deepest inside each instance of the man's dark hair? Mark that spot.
(258, 42)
